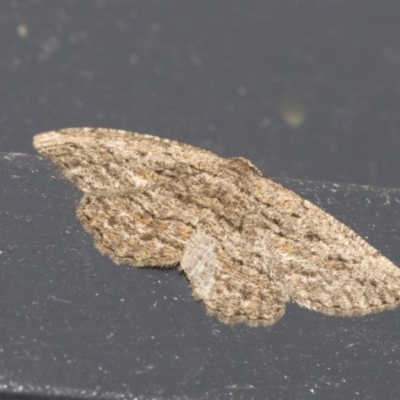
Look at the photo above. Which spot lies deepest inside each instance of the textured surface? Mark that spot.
(75, 324)
(246, 244)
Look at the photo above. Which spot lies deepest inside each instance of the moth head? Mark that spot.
(242, 166)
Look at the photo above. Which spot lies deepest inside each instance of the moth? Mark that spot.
(246, 244)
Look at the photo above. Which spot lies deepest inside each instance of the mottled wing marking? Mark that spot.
(234, 273)
(131, 233)
(115, 160)
(328, 267)
(246, 244)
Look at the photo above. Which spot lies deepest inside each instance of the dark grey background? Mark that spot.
(305, 89)
(215, 74)
(75, 324)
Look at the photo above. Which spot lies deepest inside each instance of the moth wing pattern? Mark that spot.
(132, 233)
(246, 244)
(233, 274)
(114, 160)
(328, 267)
(350, 279)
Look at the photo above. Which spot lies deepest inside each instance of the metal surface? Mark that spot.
(304, 89)
(75, 324)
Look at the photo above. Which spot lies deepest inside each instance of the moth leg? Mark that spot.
(233, 274)
(141, 228)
